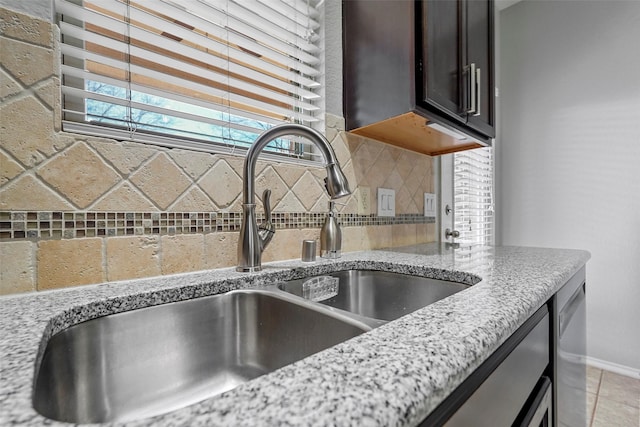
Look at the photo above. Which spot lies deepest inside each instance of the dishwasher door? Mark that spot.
(571, 364)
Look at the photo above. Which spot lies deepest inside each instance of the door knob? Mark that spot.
(448, 233)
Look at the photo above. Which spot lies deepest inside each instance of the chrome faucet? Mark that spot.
(253, 239)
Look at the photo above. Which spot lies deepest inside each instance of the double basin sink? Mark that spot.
(158, 359)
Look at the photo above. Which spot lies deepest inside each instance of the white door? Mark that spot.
(445, 219)
(466, 197)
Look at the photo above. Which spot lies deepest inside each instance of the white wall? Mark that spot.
(333, 57)
(570, 160)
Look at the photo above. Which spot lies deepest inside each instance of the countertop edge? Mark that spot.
(392, 383)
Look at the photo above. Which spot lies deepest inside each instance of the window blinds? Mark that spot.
(473, 195)
(215, 73)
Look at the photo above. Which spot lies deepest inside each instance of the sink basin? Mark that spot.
(154, 360)
(381, 295)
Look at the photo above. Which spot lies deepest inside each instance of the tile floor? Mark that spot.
(612, 400)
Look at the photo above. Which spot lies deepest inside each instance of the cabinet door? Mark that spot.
(478, 50)
(441, 21)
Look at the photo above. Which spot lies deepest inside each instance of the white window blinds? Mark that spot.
(473, 195)
(208, 74)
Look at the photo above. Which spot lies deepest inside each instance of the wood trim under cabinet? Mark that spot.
(410, 131)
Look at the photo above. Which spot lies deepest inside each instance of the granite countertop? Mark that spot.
(394, 375)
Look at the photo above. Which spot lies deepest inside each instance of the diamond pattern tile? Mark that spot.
(8, 168)
(194, 163)
(221, 184)
(364, 158)
(290, 174)
(375, 180)
(124, 198)
(308, 190)
(161, 180)
(125, 157)
(394, 181)
(351, 176)
(27, 192)
(90, 179)
(405, 163)
(322, 204)
(414, 181)
(269, 179)
(394, 152)
(194, 200)
(289, 203)
(342, 151)
(353, 141)
(236, 163)
(27, 131)
(7, 85)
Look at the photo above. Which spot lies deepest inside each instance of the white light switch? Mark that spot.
(429, 204)
(386, 202)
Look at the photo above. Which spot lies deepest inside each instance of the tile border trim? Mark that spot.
(56, 225)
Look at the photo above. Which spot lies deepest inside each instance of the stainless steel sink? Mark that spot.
(154, 360)
(381, 295)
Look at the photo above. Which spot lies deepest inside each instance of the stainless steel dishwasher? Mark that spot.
(571, 340)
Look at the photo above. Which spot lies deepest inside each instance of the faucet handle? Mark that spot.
(266, 230)
(266, 201)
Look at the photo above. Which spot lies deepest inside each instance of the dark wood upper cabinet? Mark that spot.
(479, 51)
(440, 59)
(411, 64)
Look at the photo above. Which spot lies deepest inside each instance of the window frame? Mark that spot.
(309, 153)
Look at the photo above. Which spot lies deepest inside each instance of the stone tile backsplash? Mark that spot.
(95, 174)
(77, 209)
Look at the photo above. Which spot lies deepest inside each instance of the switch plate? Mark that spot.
(386, 202)
(364, 201)
(430, 204)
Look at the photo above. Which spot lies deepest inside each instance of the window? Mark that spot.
(204, 74)
(473, 195)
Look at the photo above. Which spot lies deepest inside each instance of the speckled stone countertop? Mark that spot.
(394, 375)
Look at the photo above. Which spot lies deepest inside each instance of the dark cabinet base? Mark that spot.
(496, 393)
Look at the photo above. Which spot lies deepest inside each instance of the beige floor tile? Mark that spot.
(610, 413)
(594, 376)
(620, 388)
(591, 406)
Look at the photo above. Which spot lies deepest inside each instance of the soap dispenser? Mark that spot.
(330, 235)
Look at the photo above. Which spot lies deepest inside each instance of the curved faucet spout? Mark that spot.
(251, 242)
(337, 185)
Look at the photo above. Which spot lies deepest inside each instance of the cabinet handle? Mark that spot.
(472, 88)
(477, 89)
